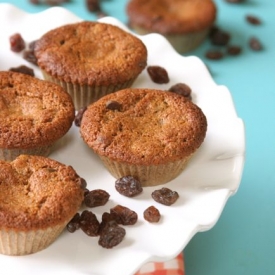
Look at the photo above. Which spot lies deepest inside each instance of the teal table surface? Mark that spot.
(243, 239)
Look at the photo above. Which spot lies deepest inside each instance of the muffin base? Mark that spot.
(18, 243)
(148, 175)
(83, 95)
(182, 43)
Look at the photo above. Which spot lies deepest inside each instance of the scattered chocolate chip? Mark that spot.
(165, 196)
(101, 14)
(181, 89)
(30, 57)
(125, 215)
(234, 1)
(93, 5)
(74, 223)
(111, 235)
(253, 20)
(97, 197)
(234, 50)
(113, 105)
(89, 223)
(128, 186)
(50, 2)
(255, 44)
(107, 219)
(158, 74)
(17, 43)
(86, 191)
(35, 2)
(79, 115)
(32, 45)
(83, 183)
(219, 37)
(23, 69)
(151, 214)
(214, 54)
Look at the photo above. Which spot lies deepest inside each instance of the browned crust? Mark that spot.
(171, 16)
(153, 127)
(91, 53)
(36, 193)
(33, 112)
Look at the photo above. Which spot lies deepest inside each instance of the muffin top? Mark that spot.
(91, 53)
(143, 126)
(171, 16)
(37, 192)
(33, 112)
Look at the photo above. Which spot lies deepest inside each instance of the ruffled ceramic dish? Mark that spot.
(212, 176)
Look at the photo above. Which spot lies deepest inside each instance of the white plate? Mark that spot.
(212, 176)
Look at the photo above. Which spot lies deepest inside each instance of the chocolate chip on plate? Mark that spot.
(181, 89)
(158, 74)
(23, 69)
(17, 43)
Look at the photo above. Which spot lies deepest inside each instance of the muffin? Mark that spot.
(146, 133)
(90, 59)
(185, 23)
(34, 115)
(38, 197)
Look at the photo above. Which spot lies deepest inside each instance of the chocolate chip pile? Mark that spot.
(110, 230)
(220, 39)
(17, 45)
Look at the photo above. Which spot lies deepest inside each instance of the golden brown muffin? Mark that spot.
(38, 197)
(149, 134)
(90, 59)
(185, 23)
(34, 114)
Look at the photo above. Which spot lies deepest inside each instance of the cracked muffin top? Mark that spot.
(37, 192)
(33, 112)
(91, 53)
(144, 126)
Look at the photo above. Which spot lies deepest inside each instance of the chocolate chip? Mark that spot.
(158, 74)
(113, 105)
(74, 223)
(101, 14)
(165, 196)
(234, 50)
(255, 44)
(253, 20)
(93, 5)
(23, 69)
(17, 43)
(181, 89)
(35, 2)
(151, 214)
(219, 37)
(214, 54)
(128, 186)
(79, 115)
(30, 57)
(49, 2)
(234, 1)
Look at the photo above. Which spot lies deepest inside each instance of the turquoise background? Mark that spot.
(243, 240)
